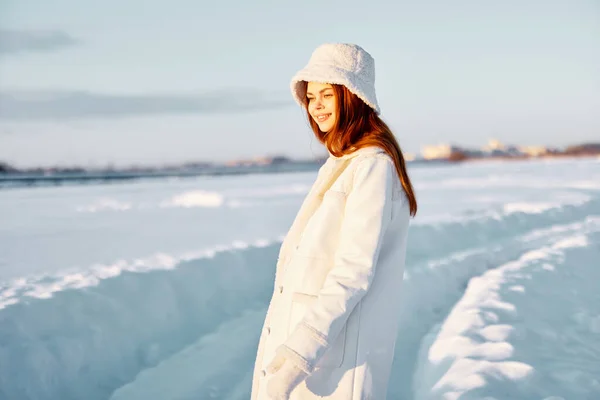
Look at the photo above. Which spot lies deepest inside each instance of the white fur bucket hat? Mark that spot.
(343, 64)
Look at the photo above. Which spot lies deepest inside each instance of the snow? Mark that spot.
(196, 198)
(469, 351)
(158, 289)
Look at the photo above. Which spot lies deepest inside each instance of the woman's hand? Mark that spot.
(286, 376)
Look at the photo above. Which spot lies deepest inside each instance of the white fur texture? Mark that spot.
(343, 64)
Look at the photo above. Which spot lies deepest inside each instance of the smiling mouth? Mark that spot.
(323, 117)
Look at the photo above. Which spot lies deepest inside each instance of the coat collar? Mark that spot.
(363, 151)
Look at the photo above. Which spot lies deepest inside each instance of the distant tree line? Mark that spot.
(458, 154)
(583, 149)
(6, 168)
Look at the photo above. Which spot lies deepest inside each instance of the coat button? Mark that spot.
(268, 330)
(280, 289)
(263, 373)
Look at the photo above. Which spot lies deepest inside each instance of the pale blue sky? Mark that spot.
(135, 81)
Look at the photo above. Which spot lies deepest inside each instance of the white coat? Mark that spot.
(337, 286)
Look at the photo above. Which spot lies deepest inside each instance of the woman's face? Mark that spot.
(322, 105)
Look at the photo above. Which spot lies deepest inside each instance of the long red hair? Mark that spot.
(358, 126)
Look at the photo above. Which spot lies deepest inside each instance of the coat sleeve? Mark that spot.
(366, 218)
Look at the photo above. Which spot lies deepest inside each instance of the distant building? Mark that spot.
(436, 152)
(409, 157)
(447, 152)
(261, 160)
(494, 146)
(533, 151)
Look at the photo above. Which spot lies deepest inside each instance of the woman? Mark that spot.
(332, 322)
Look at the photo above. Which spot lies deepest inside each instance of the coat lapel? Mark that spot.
(312, 202)
(308, 208)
